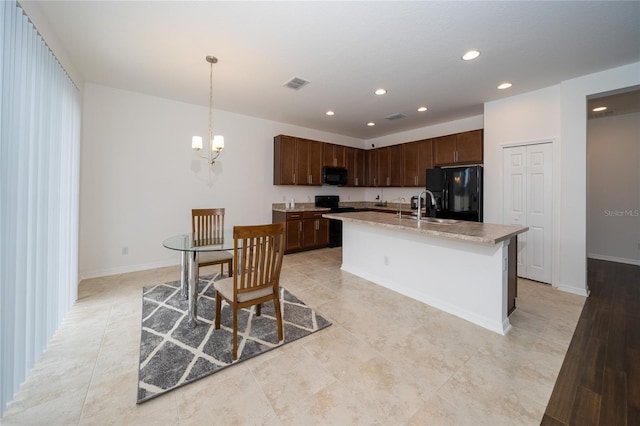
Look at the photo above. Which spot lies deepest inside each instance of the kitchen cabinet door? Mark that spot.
(371, 167)
(469, 146)
(417, 158)
(322, 232)
(410, 162)
(459, 149)
(328, 157)
(396, 166)
(308, 233)
(284, 160)
(302, 162)
(444, 150)
(425, 161)
(293, 229)
(296, 161)
(384, 171)
(334, 155)
(355, 160)
(314, 165)
(315, 230)
(294, 235)
(308, 162)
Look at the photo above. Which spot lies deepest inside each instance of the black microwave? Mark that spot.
(334, 176)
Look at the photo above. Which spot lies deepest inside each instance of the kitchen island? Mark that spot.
(467, 269)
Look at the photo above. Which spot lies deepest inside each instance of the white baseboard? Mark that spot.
(574, 290)
(614, 259)
(96, 273)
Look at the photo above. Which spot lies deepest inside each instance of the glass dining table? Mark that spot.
(191, 248)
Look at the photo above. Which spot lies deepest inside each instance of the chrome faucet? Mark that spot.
(400, 200)
(433, 202)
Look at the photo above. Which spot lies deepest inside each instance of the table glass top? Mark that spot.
(187, 242)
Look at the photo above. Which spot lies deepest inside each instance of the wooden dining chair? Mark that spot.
(207, 226)
(257, 256)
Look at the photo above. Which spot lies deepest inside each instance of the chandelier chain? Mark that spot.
(211, 104)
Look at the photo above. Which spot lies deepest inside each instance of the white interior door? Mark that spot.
(527, 172)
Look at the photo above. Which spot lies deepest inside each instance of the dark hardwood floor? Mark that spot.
(599, 382)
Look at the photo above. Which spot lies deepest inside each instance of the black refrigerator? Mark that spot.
(458, 192)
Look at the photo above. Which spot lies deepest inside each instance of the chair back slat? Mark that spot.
(207, 226)
(258, 253)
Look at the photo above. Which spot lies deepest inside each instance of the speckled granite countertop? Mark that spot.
(476, 232)
(360, 205)
(299, 207)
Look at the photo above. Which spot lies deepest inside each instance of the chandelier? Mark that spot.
(216, 143)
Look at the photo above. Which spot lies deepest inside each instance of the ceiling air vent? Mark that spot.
(601, 114)
(395, 116)
(296, 83)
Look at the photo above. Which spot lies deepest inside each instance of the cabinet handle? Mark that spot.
(300, 226)
(317, 224)
(356, 181)
(310, 179)
(294, 178)
(374, 182)
(388, 181)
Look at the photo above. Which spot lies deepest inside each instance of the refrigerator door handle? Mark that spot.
(445, 196)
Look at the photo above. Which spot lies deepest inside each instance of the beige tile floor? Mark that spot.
(386, 360)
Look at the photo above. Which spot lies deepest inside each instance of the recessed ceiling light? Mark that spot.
(504, 86)
(330, 112)
(470, 55)
(380, 92)
(371, 123)
(598, 109)
(422, 109)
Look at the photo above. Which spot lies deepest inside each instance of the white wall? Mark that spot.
(441, 129)
(140, 178)
(558, 112)
(613, 188)
(531, 117)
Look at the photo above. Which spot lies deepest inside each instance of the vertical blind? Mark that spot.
(39, 183)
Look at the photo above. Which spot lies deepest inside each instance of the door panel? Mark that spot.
(539, 216)
(514, 198)
(527, 177)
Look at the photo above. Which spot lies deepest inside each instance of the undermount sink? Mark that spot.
(437, 220)
(433, 220)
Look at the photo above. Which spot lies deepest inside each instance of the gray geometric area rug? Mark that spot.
(171, 355)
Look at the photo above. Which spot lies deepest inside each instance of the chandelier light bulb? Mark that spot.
(218, 143)
(196, 143)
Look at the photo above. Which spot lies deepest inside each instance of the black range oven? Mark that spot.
(335, 226)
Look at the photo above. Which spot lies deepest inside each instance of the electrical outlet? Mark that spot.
(284, 198)
(125, 250)
(386, 261)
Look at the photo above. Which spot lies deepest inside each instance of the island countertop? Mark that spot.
(476, 232)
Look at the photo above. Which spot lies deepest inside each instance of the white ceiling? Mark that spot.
(346, 50)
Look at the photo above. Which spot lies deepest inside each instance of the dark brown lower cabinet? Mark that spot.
(512, 275)
(304, 230)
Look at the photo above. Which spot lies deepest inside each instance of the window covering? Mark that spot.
(39, 187)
